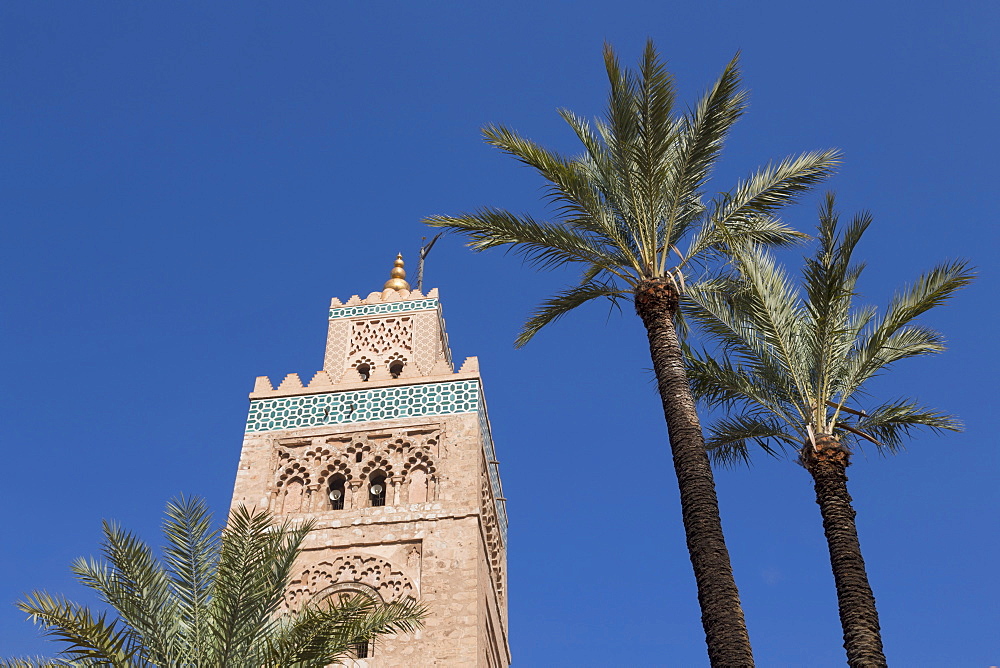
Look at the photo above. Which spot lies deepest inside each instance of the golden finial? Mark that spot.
(398, 280)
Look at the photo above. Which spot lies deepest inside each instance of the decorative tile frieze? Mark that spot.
(331, 408)
(383, 308)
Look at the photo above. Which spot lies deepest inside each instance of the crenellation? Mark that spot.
(291, 382)
(262, 384)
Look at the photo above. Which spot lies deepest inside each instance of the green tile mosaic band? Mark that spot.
(315, 410)
(386, 307)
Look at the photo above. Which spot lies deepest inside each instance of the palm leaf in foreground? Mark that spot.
(214, 601)
(795, 366)
(624, 210)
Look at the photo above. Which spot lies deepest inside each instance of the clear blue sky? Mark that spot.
(185, 185)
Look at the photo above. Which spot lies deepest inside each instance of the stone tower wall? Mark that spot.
(441, 535)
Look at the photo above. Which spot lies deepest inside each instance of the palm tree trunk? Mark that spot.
(827, 464)
(721, 613)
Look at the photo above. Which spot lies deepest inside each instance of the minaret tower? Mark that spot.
(388, 449)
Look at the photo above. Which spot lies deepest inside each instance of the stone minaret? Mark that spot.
(389, 449)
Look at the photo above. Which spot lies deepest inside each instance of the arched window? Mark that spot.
(396, 368)
(364, 370)
(376, 489)
(336, 492)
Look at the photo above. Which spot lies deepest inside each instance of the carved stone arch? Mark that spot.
(348, 587)
(396, 364)
(419, 475)
(331, 469)
(377, 463)
(291, 472)
(361, 368)
(420, 459)
(363, 572)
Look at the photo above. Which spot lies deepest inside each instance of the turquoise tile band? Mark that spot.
(315, 410)
(383, 308)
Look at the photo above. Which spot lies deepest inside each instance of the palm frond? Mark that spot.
(327, 632)
(562, 303)
(636, 193)
(796, 359)
(87, 636)
(892, 337)
(255, 564)
(895, 420)
(191, 556)
(700, 142)
(133, 582)
(773, 187)
(544, 245)
(35, 662)
(729, 438)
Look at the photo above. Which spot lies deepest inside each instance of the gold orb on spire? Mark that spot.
(398, 280)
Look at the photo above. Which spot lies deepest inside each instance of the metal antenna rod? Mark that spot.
(424, 251)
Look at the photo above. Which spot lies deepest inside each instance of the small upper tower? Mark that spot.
(388, 449)
(395, 333)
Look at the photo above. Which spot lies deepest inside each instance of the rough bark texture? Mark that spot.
(721, 612)
(862, 638)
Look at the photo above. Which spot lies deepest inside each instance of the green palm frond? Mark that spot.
(891, 422)
(35, 662)
(893, 338)
(84, 634)
(191, 556)
(215, 603)
(562, 303)
(323, 634)
(637, 193)
(133, 582)
(543, 245)
(769, 189)
(246, 596)
(729, 438)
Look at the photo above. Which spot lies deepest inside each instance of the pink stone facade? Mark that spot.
(436, 529)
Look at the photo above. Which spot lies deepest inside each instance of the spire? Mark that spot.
(398, 280)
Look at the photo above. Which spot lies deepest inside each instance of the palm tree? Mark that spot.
(623, 210)
(214, 600)
(793, 369)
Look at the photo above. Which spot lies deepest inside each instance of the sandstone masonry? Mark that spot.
(389, 450)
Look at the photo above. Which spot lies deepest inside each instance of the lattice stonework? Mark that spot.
(381, 335)
(383, 308)
(426, 341)
(314, 410)
(337, 341)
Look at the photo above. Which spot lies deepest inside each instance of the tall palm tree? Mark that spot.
(215, 600)
(623, 210)
(795, 365)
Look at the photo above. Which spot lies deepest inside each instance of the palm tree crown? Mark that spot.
(796, 362)
(636, 196)
(215, 600)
